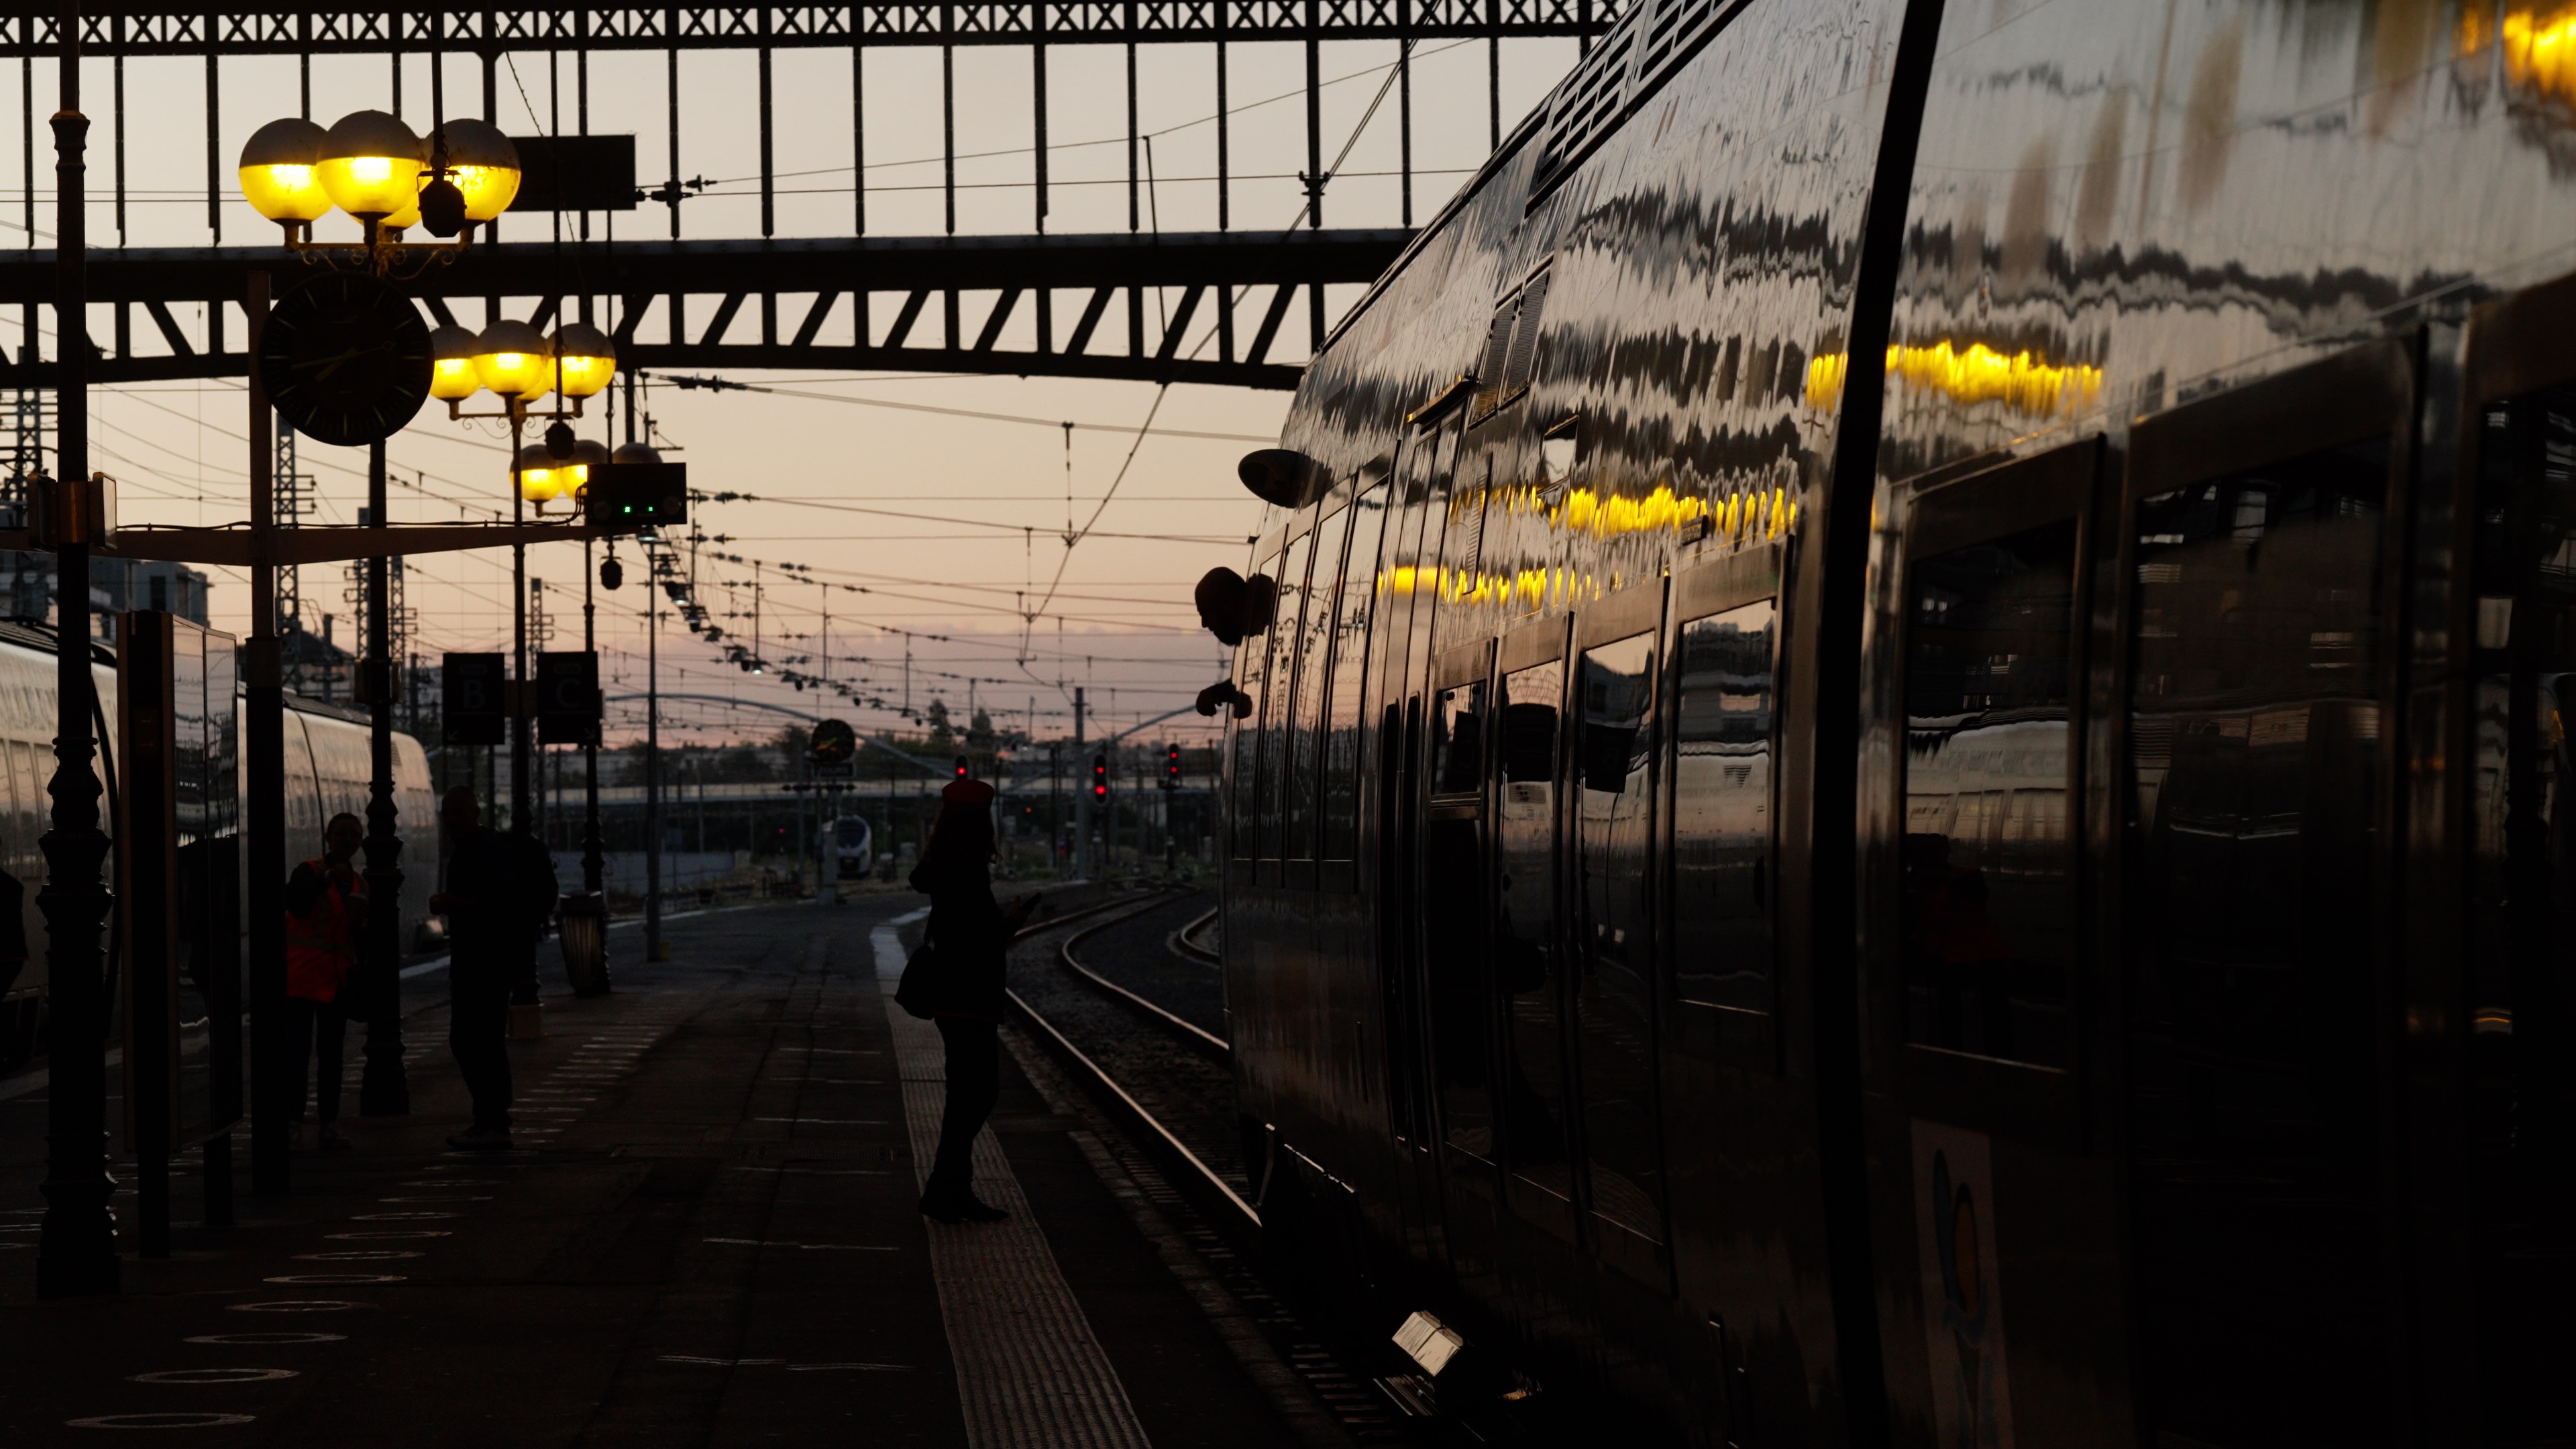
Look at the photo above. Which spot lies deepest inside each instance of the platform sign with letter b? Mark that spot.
(472, 704)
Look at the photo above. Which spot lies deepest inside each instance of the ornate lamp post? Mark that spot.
(76, 1253)
(383, 1089)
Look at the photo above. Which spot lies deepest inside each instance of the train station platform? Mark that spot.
(707, 1236)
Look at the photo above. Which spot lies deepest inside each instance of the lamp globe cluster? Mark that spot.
(543, 477)
(518, 364)
(378, 170)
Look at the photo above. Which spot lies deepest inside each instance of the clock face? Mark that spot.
(345, 359)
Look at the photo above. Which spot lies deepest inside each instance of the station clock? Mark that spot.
(345, 359)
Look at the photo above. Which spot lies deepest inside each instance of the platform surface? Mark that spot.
(708, 1237)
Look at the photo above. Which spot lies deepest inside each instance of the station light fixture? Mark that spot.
(482, 164)
(281, 173)
(371, 164)
(540, 478)
(585, 360)
(385, 175)
(452, 378)
(515, 362)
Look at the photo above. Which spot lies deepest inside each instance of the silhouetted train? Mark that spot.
(327, 772)
(1910, 783)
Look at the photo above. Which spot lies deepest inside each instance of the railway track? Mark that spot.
(1165, 1077)
(1133, 1015)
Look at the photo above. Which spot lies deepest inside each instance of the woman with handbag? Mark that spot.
(956, 980)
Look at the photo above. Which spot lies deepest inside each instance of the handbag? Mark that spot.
(917, 991)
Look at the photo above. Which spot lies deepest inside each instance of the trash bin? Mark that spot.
(583, 925)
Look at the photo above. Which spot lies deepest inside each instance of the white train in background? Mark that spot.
(326, 773)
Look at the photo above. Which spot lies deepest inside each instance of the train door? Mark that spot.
(1534, 1137)
(2515, 619)
(1458, 991)
(2256, 908)
(1612, 966)
(1974, 929)
(1410, 588)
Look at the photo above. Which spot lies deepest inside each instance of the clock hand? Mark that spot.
(330, 365)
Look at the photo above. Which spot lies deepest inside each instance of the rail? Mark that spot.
(1185, 941)
(1190, 1172)
(1198, 1039)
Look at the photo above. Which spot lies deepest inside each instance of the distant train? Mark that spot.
(1910, 786)
(327, 771)
(852, 846)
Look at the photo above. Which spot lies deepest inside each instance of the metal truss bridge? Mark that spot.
(232, 28)
(1217, 306)
(1205, 307)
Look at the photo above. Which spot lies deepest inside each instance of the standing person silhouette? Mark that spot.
(967, 940)
(326, 908)
(499, 891)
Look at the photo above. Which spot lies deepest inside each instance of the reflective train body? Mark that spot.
(1907, 783)
(327, 772)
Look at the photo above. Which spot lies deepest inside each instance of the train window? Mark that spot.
(1614, 998)
(1987, 930)
(1314, 661)
(1457, 740)
(2523, 909)
(1454, 961)
(1279, 698)
(1524, 953)
(2254, 797)
(1349, 683)
(1722, 816)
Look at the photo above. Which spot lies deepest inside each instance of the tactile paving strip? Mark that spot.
(1030, 1372)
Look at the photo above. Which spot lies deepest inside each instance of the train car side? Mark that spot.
(1908, 779)
(327, 771)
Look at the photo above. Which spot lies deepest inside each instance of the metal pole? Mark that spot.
(76, 1253)
(383, 1089)
(653, 774)
(1081, 796)
(592, 865)
(519, 742)
(264, 791)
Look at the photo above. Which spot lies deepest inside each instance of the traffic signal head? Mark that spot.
(627, 496)
(961, 767)
(1171, 767)
(1100, 777)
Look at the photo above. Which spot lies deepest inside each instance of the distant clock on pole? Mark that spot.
(345, 359)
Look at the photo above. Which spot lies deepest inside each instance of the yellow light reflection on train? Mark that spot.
(1976, 374)
(2539, 44)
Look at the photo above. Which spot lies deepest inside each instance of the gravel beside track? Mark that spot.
(1135, 954)
(1191, 1096)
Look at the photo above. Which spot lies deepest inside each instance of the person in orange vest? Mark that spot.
(326, 907)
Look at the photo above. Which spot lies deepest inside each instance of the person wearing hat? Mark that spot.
(967, 941)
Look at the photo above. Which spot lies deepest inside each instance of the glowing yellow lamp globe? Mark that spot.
(574, 472)
(409, 216)
(484, 165)
(585, 360)
(452, 377)
(371, 165)
(515, 361)
(541, 478)
(281, 173)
